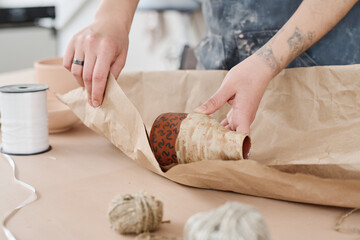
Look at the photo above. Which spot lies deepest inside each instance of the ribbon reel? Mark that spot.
(24, 119)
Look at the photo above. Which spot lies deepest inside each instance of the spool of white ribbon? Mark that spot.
(27, 201)
(24, 119)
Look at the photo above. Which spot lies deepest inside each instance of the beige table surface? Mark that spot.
(77, 179)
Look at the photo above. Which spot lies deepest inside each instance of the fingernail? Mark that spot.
(201, 109)
(89, 101)
(96, 103)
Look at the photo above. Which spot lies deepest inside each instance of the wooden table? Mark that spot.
(77, 179)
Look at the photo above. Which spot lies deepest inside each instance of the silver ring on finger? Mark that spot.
(78, 62)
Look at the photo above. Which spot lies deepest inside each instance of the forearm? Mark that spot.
(120, 11)
(311, 21)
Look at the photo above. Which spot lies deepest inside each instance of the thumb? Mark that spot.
(215, 102)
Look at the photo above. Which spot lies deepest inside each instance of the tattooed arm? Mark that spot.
(245, 84)
(312, 20)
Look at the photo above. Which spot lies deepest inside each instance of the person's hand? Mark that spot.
(102, 47)
(243, 88)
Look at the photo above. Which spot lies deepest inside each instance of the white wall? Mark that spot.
(25, 3)
(21, 47)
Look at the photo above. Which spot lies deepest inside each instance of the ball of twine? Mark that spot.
(150, 236)
(136, 213)
(231, 221)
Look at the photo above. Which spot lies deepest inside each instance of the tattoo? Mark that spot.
(267, 54)
(296, 42)
(311, 36)
(299, 41)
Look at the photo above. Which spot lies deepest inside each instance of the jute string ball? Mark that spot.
(150, 236)
(136, 213)
(231, 221)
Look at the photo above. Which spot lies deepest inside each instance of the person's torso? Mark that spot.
(237, 28)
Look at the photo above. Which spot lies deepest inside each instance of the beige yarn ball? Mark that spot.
(231, 221)
(135, 213)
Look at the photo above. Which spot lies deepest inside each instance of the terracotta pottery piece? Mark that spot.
(163, 135)
(60, 117)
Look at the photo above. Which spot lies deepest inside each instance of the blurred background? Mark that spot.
(163, 34)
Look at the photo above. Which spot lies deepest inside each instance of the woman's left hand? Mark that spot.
(243, 88)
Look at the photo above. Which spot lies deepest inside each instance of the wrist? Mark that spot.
(250, 78)
(270, 59)
(263, 70)
(117, 12)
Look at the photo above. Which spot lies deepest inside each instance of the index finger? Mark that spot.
(99, 78)
(240, 119)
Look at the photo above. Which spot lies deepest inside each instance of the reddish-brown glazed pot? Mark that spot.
(164, 132)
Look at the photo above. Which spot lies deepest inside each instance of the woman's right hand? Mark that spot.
(103, 47)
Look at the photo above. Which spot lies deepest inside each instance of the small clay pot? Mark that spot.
(200, 137)
(163, 135)
(52, 73)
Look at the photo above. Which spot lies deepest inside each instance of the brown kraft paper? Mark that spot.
(305, 137)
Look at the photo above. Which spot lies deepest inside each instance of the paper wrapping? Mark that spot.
(203, 138)
(305, 137)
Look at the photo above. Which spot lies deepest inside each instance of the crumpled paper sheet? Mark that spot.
(305, 136)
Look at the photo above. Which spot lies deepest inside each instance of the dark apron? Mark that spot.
(238, 28)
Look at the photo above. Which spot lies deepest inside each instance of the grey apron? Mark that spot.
(237, 28)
